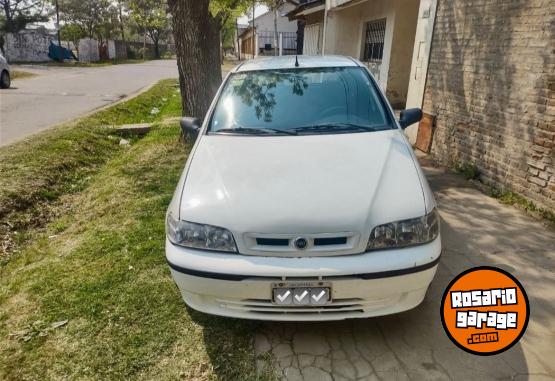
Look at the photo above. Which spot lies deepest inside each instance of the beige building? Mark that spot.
(381, 33)
(482, 71)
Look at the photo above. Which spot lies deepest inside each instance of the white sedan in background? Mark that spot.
(302, 199)
(5, 79)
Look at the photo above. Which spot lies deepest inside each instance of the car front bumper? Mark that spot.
(370, 284)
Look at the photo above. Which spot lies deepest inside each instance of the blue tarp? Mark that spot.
(54, 53)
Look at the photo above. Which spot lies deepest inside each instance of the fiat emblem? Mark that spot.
(301, 243)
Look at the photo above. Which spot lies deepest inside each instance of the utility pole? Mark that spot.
(60, 51)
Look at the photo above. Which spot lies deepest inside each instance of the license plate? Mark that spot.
(301, 293)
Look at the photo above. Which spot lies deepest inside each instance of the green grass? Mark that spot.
(38, 173)
(89, 294)
(101, 267)
(471, 172)
(468, 170)
(521, 202)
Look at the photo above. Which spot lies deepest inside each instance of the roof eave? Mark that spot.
(306, 9)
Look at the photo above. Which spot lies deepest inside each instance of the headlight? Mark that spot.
(199, 236)
(405, 233)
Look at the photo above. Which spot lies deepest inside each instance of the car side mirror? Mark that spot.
(190, 127)
(409, 117)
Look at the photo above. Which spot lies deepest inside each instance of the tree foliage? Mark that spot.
(17, 14)
(73, 33)
(91, 16)
(229, 11)
(152, 18)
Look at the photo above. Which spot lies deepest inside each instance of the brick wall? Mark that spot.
(491, 85)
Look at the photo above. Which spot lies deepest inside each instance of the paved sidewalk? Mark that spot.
(477, 230)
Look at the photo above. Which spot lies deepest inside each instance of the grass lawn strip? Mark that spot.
(101, 268)
(38, 172)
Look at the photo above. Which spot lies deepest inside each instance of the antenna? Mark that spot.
(296, 61)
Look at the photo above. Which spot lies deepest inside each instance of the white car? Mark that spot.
(302, 199)
(5, 81)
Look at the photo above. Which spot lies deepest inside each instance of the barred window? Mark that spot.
(374, 41)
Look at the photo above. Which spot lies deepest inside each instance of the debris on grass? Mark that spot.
(36, 329)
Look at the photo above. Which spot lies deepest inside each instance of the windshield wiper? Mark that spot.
(338, 127)
(255, 130)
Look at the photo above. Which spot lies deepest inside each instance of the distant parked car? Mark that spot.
(5, 80)
(302, 199)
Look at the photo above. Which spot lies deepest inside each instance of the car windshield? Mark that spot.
(300, 101)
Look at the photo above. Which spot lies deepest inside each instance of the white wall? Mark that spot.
(88, 50)
(345, 35)
(28, 46)
(345, 31)
(406, 17)
(265, 22)
(420, 57)
(111, 49)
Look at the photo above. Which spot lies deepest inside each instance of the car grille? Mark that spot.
(272, 241)
(287, 242)
(355, 305)
(276, 244)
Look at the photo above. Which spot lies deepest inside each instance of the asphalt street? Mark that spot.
(60, 94)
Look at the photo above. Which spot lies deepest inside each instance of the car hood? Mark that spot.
(307, 184)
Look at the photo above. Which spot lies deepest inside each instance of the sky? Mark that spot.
(260, 9)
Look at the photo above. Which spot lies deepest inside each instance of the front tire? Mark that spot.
(5, 80)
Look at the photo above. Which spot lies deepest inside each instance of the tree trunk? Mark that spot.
(121, 26)
(144, 46)
(197, 42)
(156, 48)
(9, 26)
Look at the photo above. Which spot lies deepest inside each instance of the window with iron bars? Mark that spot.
(374, 41)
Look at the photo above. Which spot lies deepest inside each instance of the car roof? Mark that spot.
(288, 62)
